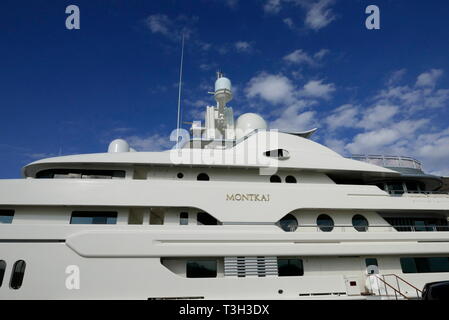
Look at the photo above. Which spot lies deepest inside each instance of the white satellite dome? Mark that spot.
(118, 145)
(249, 122)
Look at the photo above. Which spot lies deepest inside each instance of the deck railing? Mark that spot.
(347, 227)
(389, 161)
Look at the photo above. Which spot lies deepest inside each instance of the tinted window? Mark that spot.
(85, 217)
(184, 218)
(6, 216)
(288, 223)
(202, 269)
(290, 267)
(18, 271)
(80, 174)
(2, 271)
(206, 219)
(290, 179)
(202, 177)
(425, 265)
(360, 223)
(371, 262)
(275, 179)
(325, 223)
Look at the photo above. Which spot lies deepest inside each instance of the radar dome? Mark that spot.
(249, 122)
(118, 145)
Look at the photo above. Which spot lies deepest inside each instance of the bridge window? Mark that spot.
(18, 272)
(275, 179)
(288, 223)
(290, 179)
(2, 271)
(202, 269)
(6, 216)
(88, 217)
(203, 177)
(203, 218)
(80, 174)
(408, 224)
(290, 267)
(360, 223)
(425, 265)
(325, 223)
(396, 188)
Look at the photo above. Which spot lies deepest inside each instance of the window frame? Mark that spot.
(198, 262)
(8, 214)
(17, 275)
(94, 214)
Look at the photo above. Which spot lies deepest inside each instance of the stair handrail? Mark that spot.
(418, 291)
(394, 289)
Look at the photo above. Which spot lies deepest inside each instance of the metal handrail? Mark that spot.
(394, 289)
(402, 162)
(413, 228)
(385, 161)
(405, 281)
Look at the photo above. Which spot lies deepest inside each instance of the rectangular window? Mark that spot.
(80, 174)
(425, 265)
(202, 269)
(6, 216)
(184, 218)
(290, 267)
(88, 217)
(206, 219)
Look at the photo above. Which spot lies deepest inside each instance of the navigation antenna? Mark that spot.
(178, 124)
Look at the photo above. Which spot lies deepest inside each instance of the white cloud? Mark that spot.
(396, 76)
(172, 28)
(160, 23)
(299, 56)
(429, 79)
(272, 6)
(293, 120)
(343, 117)
(243, 46)
(319, 15)
(289, 22)
(317, 89)
(378, 116)
(321, 54)
(272, 88)
(155, 142)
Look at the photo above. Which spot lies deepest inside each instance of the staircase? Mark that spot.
(393, 287)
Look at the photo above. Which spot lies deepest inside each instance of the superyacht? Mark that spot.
(234, 211)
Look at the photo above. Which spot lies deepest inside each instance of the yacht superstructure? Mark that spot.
(234, 211)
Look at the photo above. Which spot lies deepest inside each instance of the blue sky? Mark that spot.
(299, 63)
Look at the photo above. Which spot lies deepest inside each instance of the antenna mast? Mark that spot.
(178, 124)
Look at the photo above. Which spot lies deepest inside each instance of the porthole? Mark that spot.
(325, 223)
(360, 223)
(275, 179)
(203, 177)
(290, 179)
(180, 175)
(18, 271)
(288, 223)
